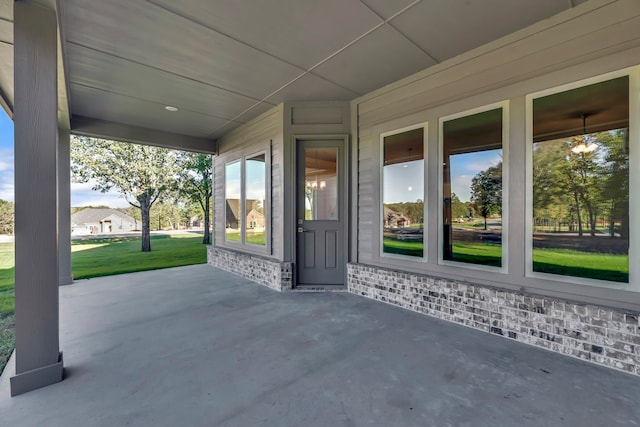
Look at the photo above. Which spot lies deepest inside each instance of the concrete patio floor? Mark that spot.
(196, 346)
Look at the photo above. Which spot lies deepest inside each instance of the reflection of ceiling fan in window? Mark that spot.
(565, 114)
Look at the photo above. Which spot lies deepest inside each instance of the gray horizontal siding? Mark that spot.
(543, 48)
(598, 37)
(247, 139)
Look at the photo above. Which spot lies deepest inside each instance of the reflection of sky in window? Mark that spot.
(467, 165)
(255, 176)
(232, 180)
(404, 182)
(6, 157)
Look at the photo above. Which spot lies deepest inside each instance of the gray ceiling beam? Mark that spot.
(64, 107)
(6, 104)
(87, 126)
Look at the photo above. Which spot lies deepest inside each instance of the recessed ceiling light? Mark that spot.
(170, 108)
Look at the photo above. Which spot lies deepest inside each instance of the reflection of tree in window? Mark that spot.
(403, 193)
(472, 189)
(581, 182)
(486, 192)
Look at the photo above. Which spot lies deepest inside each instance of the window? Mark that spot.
(321, 184)
(580, 180)
(403, 193)
(233, 213)
(472, 188)
(245, 199)
(255, 196)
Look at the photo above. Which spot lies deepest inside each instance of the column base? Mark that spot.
(37, 378)
(65, 280)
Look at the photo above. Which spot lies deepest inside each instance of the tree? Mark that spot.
(134, 213)
(194, 182)
(459, 209)
(585, 173)
(140, 173)
(486, 192)
(6, 217)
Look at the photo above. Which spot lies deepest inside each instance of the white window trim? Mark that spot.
(243, 244)
(504, 269)
(425, 147)
(634, 176)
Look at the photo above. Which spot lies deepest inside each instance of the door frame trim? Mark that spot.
(345, 140)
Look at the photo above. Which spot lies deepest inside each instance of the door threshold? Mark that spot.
(320, 288)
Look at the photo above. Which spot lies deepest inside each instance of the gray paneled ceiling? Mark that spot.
(6, 53)
(446, 28)
(223, 62)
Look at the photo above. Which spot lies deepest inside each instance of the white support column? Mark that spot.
(64, 208)
(38, 361)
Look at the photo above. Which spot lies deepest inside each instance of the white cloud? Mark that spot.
(479, 166)
(82, 187)
(461, 185)
(6, 160)
(6, 165)
(6, 189)
(83, 195)
(99, 199)
(6, 174)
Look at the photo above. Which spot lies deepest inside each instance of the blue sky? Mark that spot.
(465, 166)
(81, 194)
(6, 157)
(403, 182)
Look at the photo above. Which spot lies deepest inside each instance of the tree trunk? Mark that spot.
(485, 222)
(592, 219)
(207, 234)
(146, 228)
(612, 221)
(575, 195)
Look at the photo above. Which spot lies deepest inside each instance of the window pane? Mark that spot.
(255, 191)
(321, 184)
(233, 214)
(472, 189)
(581, 182)
(403, 193)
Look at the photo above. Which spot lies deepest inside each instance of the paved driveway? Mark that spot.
(195, 346)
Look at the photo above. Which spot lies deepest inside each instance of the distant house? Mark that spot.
(232, 213)
(101, 221)
(255, 219)
(395, 219)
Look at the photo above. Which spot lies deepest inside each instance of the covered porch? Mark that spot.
(253, 86)
(200, 346)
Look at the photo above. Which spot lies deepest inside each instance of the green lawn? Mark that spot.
(589, 265)
(258, 238)
(104, 257)
(100, 257)
(6, 277)
(566, 262)
(478, 253)
(403, 247)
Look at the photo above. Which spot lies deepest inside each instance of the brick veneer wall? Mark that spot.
(274, 274)
(600, 335)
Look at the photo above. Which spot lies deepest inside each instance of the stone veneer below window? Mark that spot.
(272, 273)
(600, 335)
